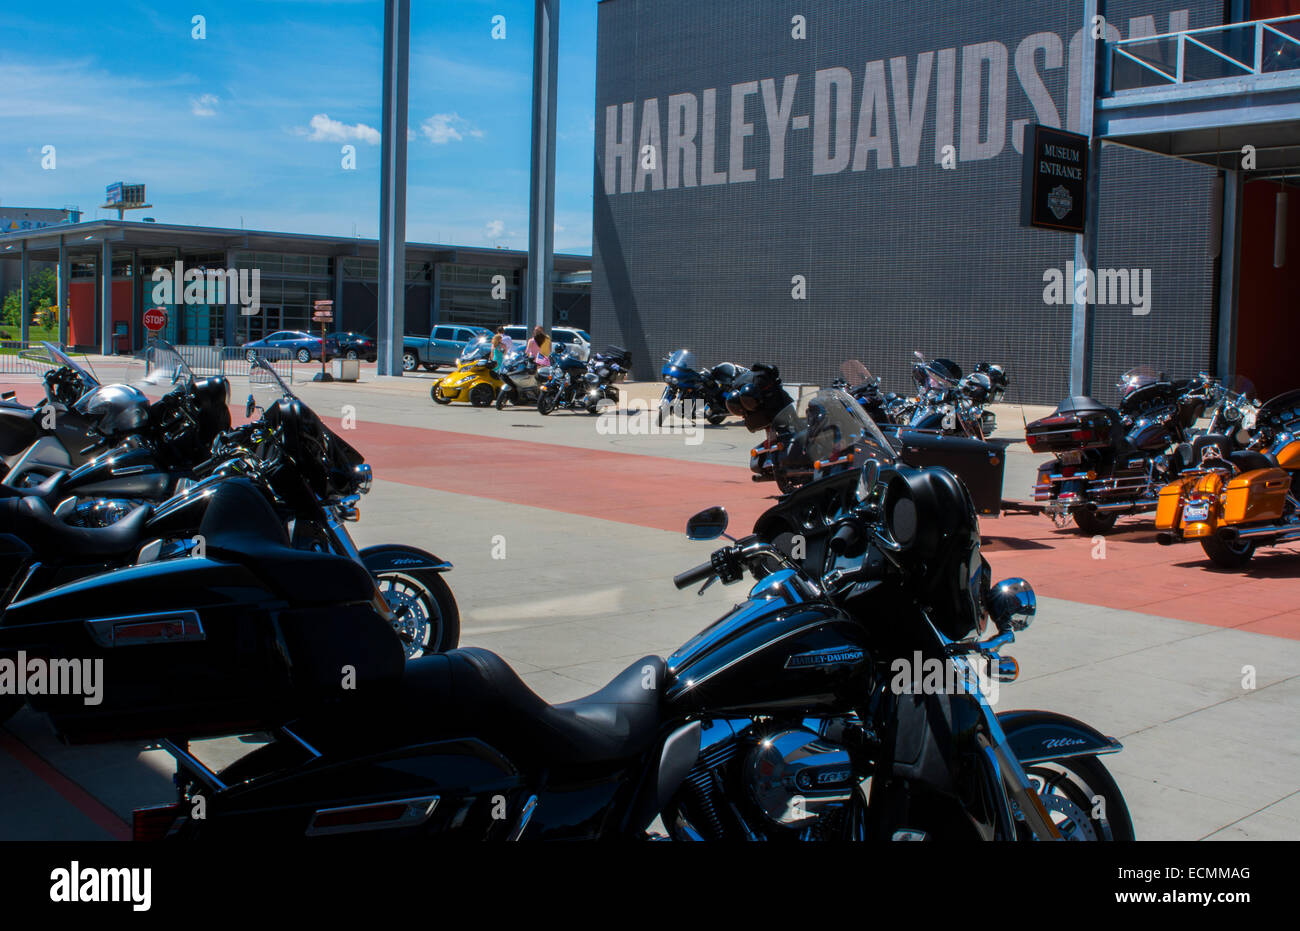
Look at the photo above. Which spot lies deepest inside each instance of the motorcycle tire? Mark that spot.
(436, 626)
(547, 402)
(481, 395)
(437, 396)
(503, 399)
(1228, 555)
(1091, 522)
(1071, 788)
(715, 417)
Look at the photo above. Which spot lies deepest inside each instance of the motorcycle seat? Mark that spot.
(1248, 460)
(472, 692)
(30, 519)
(1189, 454)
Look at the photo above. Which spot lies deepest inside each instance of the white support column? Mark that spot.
(24, 296)
(64, 290)
(106, 297)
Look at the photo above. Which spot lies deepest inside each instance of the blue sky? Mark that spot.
(249, 123)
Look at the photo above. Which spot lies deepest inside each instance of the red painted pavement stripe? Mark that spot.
(75, 795)
(649, 491)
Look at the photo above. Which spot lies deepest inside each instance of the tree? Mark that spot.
(42, 289)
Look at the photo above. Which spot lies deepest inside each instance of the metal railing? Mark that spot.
(1215, 52)
(233, 360)
(23, 358)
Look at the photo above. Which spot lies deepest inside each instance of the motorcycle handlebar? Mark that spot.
(691, 576)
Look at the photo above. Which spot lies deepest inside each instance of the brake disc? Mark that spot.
(1077, 825)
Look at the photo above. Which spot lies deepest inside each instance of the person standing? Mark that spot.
(498, 349)
(539, 347)
(507, 344)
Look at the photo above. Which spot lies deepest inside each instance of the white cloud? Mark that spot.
(442, 128)
(204, 105)
(324, 129)
(494, 229)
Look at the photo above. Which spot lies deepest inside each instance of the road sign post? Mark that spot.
(323, 311)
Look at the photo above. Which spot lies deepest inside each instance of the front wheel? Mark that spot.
(481, 395)
(409, 362)
(1228, 555)
(250, 356)
(1094, 522)
(665, 404)
(352, 354)
(504, 398)
(437, 396)
(547, 402)
(1082, 798)
(304, 355)
(425, 613)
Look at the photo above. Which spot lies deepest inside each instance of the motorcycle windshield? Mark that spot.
(56, 357)
(833, 424)
(261, 373)
(165, 365)
(481, 348)
(855, 373)
(682, 359)
(1135, 379)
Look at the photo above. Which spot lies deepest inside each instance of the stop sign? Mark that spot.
(155, 318)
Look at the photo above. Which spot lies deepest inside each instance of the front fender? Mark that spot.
(1039, 736)
(397, 556)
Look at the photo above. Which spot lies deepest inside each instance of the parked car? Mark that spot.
(580, 339)
(356, 345)
(442, 348)
(303, 346)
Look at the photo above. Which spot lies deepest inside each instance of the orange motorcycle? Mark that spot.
(1233, 500)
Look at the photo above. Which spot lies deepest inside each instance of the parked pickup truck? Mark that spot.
(441, 348)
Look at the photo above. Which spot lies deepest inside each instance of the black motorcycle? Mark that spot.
(310, 478)
(1109, 461)
(788, 719)
(53, 436)
(691, 392)
(575, 383)
(783, 455)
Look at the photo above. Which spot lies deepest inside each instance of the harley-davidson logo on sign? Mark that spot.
(1060, 202)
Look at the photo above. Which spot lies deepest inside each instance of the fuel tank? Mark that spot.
(1150, 434)
(124, 473)
(771, 653)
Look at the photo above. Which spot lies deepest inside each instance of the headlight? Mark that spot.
(363, 475)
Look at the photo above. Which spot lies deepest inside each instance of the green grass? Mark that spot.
(34, 336)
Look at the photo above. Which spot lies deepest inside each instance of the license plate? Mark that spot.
(1072, 457)
(1196, 511)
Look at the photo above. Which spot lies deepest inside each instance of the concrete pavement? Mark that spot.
(1196, 671)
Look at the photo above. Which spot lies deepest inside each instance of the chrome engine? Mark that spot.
(760, 779)
(97, 512)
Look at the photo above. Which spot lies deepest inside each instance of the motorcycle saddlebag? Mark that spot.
(1255, 496)
(978, 463)
(191, 647)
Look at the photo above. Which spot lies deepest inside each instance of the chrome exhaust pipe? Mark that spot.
(1284, 533)
(1141, 504)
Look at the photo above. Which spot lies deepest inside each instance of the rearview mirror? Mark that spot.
(707, 525)
(250, 406)
(1012, 604)
(867, 481)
